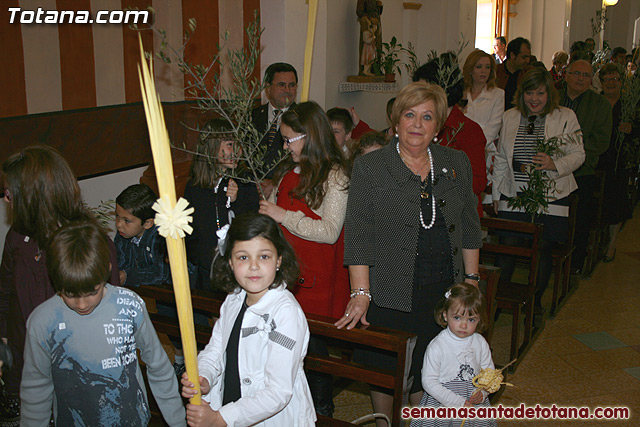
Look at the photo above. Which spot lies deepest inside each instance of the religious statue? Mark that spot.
(368, 12)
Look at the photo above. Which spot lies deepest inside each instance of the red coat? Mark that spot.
(323, 285)
(469, 139)
(360, 130)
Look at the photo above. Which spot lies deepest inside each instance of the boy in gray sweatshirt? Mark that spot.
(80, 356)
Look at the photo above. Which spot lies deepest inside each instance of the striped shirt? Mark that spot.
(530, 131)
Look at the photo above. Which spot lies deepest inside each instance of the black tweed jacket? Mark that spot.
(382, 223)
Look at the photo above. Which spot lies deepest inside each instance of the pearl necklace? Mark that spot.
(433, 202)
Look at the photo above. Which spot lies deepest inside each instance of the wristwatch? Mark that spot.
(475, 277)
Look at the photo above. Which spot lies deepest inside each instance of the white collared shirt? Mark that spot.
(271, 113)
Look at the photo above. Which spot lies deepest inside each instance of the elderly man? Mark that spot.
(499, 49)
(511, 71)
(281, 80)
(594, 115)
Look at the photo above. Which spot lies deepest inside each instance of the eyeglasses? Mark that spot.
(288, 141)
(7, 195)
(579, 74)
(531, 126)
(610, 79)
(283, 85)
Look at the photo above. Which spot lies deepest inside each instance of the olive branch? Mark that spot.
(233, 104)
(533, 198)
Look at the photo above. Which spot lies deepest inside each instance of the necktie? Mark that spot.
(273, 129)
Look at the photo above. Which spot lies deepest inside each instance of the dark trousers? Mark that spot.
(320, 384)
(585, 216)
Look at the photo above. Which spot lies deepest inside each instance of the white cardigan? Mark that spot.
(561, 121)
(273, 344)
(486, 110)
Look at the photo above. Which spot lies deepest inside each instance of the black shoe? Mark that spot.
(608, 259)
(539, 310)
(321, 387)
(538, 316)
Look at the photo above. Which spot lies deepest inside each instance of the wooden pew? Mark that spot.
(398, 342)
(512, 295)
(489, 278)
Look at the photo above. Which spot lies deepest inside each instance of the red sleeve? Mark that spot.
(360, 130)
(473, 146)
(471, 141)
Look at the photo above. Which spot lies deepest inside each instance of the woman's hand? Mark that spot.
(625, 127)
(232, 190)
(265, 187)
(356, 311)
(544, 162)
(204, 416)
(272, 210)
(473, 282)
(188, 388)
(354, 116)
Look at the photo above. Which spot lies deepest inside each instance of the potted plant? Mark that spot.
(388, 59)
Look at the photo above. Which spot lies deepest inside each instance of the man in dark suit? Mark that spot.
(511, 71)
(281, 81)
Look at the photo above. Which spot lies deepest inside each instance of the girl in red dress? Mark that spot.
(310, 205)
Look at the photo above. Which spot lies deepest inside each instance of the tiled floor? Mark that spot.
(589, 355)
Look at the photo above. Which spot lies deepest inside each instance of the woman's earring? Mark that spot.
(435, 139)
(277, 268)
(396, 135)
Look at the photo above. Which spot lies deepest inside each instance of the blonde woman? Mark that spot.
(485, 101)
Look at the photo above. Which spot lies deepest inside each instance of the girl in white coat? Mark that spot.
(251, 372)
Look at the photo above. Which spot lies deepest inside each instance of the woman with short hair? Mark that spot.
(411, 230)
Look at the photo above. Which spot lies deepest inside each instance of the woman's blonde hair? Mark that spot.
(417, 93)
(467, 299)
(470, 63)
(560, 57)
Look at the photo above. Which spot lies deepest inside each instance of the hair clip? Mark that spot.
(447, 294)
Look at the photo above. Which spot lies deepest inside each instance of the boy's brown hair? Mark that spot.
(78, 258)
